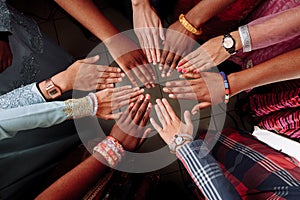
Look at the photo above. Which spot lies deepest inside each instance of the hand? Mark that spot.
(178, 43)
(209, 55)
(207, 87)
(110, 100)
(171, 125)
(131, 59)
(87, 76)
(5, 56)
(148, 28)
(129, 129)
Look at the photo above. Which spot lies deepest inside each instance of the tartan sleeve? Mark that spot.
(205, 171)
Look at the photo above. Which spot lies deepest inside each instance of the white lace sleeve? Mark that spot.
(21, 97)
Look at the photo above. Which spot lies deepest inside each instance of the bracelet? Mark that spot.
(78, 108)
(179, 140)
(188, 26)
(226, 85)
(245, 38)
(95, 103)
(111, 149)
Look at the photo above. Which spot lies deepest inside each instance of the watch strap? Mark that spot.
(52, 90)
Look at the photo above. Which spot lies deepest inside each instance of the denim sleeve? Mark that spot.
(205, 171)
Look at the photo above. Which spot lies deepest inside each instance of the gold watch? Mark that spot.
(52, 90)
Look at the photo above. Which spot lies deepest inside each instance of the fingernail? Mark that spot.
(142, 90)
(119, 79)
(123, 75)
(149, 106)
(181, 76)
(119, 70)
(111, 85)
(179, 70)
(168, 74)
(131, 105)
(184, 71)
(163, 75)
(141, 97)
(147, 96)
(160, 68)
(195, 71)
(179, 64)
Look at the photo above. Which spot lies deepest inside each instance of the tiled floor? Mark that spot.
(79, 42)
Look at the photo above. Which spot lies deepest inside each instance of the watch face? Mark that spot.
(179, 140)
(228, 42)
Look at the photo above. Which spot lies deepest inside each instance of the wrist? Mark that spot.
(178, 141)
(136, 3)
(62, 82)
(238, 41)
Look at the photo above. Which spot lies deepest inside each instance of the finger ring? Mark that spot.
(168, 62)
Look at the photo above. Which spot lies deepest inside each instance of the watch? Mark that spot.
(229, 43)
(52, 90)
(179, 140)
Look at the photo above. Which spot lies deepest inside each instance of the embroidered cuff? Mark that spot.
(78, 108)
(245, 38)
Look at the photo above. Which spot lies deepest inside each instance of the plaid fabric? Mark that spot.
(256, 170)
(205, 171)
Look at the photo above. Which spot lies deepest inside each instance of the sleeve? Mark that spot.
(5, 17)
(42, 115)
(275, 28)
(205, 171)
(22, 96)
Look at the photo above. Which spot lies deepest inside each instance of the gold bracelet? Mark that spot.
(188, 26)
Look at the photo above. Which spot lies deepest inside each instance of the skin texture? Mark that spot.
(131, 59)
(170, 123)
(76, 182)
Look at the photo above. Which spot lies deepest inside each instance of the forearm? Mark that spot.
(205, 171)
(75, 183)
(42, 115)
(139, 2)
(205, 10)
(273, 29)
(87, 13)
(281, 68)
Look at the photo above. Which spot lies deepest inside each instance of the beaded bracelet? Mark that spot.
(226, 85)
(188, 26)
(95, 103)
(111, 149)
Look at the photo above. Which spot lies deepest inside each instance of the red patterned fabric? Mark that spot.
(256, 170)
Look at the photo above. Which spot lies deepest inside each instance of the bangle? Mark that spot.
(226, 85)
(111, 149)
(179, 140)
(245, 38)
(95, 103)
(188, 26)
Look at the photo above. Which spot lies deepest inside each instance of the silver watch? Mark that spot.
(179, 140)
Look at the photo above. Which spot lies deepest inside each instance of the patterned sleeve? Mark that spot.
(22, 96)
(205, 171)
(42, 115)
(5, 18)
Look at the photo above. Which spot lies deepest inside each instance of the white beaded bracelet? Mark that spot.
(95, 103)
(245, 38)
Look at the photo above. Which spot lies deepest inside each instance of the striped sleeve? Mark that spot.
(205, 171)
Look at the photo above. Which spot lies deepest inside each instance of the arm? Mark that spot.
(75, 183)
(126, 53)
(202, 167)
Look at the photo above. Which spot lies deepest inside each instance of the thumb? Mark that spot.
(161, 32)
(91, 60)
(187, 119)
(200, 106)
(145, 135)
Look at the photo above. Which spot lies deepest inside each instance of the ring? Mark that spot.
(168, 62)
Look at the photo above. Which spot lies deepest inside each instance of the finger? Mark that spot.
(135, 108)
(148, 72)
(187, 119)
(146, 116)
(111, 75)
(146, 46)
(122, 88)
(164, 111)
(138, 118)
(156, 45)
(127, 94)
(167, 64)
(109, 80)
(145, 136)
(161, 32)
(187, 96)
(114, 116)
(190, 75)
(169, 109)
(138, 73)
(174, 64)
(178, 90)
(178, 83)
(91, 60)
(151, 45)
(160, 115)
(125, 114)
(204, 67)
(104, 86)
(163, 58)
(131, 77)
(200, 106)
(155, 125)
(107, 69)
